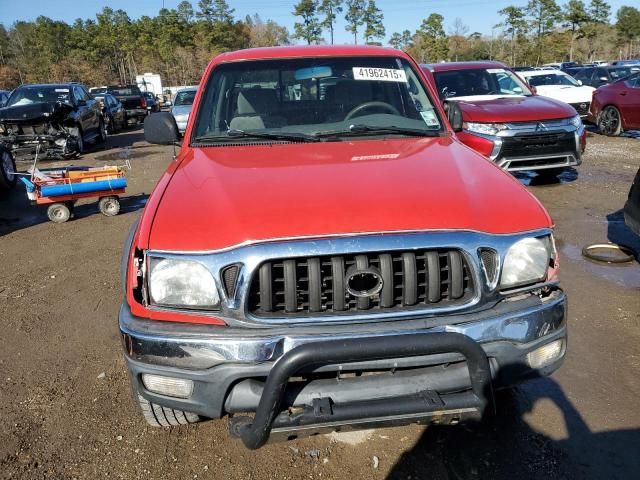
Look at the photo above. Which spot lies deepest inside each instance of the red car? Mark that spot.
(324, 252)
(494, 111)
(616, 107)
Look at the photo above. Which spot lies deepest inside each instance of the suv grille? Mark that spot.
(536, 145)
(582, 108)
(320, 285)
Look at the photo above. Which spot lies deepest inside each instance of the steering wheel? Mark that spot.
(365, 106)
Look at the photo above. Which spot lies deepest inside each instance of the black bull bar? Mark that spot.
(255, 432)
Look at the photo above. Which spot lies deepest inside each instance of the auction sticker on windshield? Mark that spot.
(380, 74)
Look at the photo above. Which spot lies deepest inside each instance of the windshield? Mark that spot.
(96, 90)
(551, 79)
(315, 97)
(124, 91)
(185, 98)
(43, 94)
(481, 81)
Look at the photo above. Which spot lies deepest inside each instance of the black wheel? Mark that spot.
(8, 177)
(109, 206)
(610, 122)
(77, 146)
(58, 212)
(159, 416)
(102, 132)
(111, 126)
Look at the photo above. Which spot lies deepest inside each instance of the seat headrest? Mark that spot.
(257, 101)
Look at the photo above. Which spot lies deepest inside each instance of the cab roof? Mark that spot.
(453, 66)
(302, 51)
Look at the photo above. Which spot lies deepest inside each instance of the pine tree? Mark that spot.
(373, 22)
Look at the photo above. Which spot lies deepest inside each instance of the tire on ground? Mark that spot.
(159, 416)
(7, 164)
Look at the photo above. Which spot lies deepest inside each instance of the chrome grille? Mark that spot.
(415, 279)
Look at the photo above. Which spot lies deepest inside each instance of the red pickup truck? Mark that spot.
(496, 113)
(323, 253)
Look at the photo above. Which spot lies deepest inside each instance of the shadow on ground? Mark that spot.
(507, 447)
(542, 178)
(16, 212)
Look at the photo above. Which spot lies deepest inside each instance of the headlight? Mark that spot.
(484, 128)
(181, 283)
(526, 262)
(575, 121)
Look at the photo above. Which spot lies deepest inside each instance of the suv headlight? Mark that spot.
(575, 121)
(526, 262)
(181, 283)
(484, 128)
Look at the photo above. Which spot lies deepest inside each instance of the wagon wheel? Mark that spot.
(109, 206)
(58, 213)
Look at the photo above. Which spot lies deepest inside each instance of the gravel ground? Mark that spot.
(66, 411)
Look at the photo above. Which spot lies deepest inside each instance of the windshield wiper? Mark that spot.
(235, 133)
(360, 129)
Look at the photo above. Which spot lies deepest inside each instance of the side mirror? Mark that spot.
(161, 128)
(82, 103)
(579, 82)
(533, 89)
(603, 79)
(454, 113)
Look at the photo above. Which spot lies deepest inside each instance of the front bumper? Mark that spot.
(503, 148)
(231, 368)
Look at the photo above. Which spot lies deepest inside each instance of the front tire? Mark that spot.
(610, 121)
(159, 416)
(8, 177)
(102, 132)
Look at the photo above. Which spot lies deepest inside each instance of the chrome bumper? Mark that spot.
(570, 158)
(196, 347)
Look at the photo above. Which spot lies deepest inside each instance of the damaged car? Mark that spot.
(61, 118)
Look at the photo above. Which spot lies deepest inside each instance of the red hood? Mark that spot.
(515, 109)
(221, 197)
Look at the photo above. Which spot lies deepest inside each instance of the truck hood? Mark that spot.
(566, 93)
(35, 113)
(226, 196)
(512, 108)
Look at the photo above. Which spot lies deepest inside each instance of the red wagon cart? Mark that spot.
(61, 188)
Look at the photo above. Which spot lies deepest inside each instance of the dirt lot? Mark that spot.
(65, 406)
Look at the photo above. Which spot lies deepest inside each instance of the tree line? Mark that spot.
(540, 32)
(178, 43)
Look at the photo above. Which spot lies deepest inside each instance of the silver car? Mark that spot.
(181, 108)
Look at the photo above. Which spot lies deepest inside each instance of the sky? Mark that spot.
(478, 15)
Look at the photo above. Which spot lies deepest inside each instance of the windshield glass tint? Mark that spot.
(29, 95)
(551, 79)
(490, 81)
(185, 98)
(314, 96)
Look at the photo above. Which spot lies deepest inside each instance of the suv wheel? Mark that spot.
(8, 177)
(102, 132)
(159, 416)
